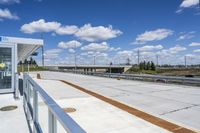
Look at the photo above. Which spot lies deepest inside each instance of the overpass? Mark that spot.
(91, 68)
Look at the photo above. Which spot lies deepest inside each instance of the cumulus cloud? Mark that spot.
(185, 35)
(9, 1)
(194, 44)
(71, 50)
(96, 47)
(86, 32)
(67, 30)
(196, 51)
(43, 26)
(114, 49)
(189, 3)
(154, 35)
(125, 53)
(171, 51)
(69, 44)
(177, 49)
(150, 47)
(52, 53)
(6, 14)
(40, 26)
(99, 33)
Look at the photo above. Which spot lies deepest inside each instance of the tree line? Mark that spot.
(30, 62)
(147, 65)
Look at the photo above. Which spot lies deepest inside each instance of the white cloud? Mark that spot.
(67, 30)
(99, 33)
(149, 48)
(6, 14)
(184, 35)
(194, 44)
(71, 50)
(96, 47)
(52, 53)
(196, 51)
(177, 49)
(189, 3)
(179, 11)
(86, 32)
(114, 49)
(43, 26)
(40, 26)
(70, 44)
(171, 51)
(9, 1)
(154, 35)
(125, 53)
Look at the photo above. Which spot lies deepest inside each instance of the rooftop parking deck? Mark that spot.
(105, 105)
(176, 103)
(92, 114)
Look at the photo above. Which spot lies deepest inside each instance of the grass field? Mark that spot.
(31, 68)
(167, 71)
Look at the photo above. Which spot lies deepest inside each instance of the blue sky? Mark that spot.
(107, 30)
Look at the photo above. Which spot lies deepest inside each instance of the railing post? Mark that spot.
(24, 91)
(28, 100)
(52, 123)
(35, 108)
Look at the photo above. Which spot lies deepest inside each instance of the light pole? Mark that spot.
(138, 52)
(75, 58)
(157, 60)
(94, 60)
(185, 61)
(42, 50)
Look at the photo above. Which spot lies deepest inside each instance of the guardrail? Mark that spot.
(143, 77)
(55, 113)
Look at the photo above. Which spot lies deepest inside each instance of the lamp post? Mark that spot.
(42, 37)
(138, 52)
(75, 58)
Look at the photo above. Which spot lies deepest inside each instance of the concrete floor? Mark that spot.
(92, 114)
(12, 121)
(175, 103)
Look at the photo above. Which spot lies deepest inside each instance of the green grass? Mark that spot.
(136, 70)
(31, 68)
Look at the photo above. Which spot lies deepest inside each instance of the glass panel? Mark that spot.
(5, 68)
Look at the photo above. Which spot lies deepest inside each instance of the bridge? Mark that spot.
(91, 68)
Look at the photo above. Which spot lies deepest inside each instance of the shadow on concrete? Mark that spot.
(21, 86)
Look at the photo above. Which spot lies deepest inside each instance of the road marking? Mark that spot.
(172, 127)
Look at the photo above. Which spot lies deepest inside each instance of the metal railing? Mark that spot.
(143, 77)
(31, 90)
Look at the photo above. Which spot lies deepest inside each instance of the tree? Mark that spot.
(128, 61)
(153, 67)
(20, 63)
(142, 65)
(148, 66)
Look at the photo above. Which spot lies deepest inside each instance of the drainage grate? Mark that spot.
(8, 108)
(69, 110)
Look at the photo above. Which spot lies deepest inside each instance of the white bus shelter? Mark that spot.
(13, 50)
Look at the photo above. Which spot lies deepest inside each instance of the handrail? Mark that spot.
(54, 110)
(195, 81)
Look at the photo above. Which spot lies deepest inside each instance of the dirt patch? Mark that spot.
(69, 110)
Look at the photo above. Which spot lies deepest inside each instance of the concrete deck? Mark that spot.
(92, 114)
(15, 120)
(176, 103)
